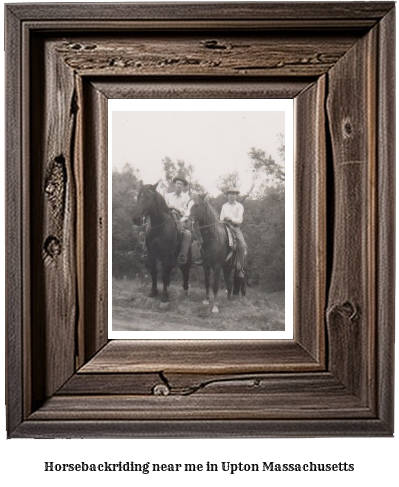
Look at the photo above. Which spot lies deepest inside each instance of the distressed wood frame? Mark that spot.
(64, 379)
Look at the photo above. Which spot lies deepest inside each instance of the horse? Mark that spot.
(215, 249)
(162, 238)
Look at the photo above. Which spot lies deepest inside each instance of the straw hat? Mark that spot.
(178, 178)
(232, 190)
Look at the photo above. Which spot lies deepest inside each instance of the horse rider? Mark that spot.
(233, 213)
(178, 200)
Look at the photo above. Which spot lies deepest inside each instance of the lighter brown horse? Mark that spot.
(215, 247)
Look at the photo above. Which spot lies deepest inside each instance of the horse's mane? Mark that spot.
(161, 203)
(211, 217)
(159, 199)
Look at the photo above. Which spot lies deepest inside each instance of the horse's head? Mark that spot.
(197, 209)
(145, 200)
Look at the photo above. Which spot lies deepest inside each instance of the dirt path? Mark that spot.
(132, 310)
(144, 321)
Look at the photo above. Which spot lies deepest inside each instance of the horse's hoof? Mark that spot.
(205, 302)
(152, 295)
(165, 305)
(215, 309)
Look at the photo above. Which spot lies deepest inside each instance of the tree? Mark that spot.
(126, 249)
(232, 179)
(182, 169)
(264, 165)
(264, 230)
(281, 147)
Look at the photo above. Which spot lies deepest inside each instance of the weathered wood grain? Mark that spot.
(200, 356)
(212, 406)
(208, 11)
(310, 202)
(185, 383)
(242, 55)
(95, 227)
(54, 304)
(113, 384)
(385, 224)
(187, 87)
(202, 429)
(15, 243)
(351, 109)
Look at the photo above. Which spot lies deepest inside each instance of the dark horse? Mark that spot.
(215, 248)
(162, 239)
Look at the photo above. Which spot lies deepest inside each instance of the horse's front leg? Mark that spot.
(166, 270)
(227, 280)
(185, 270)
(207, 276)
(216, 276)
(153, 268)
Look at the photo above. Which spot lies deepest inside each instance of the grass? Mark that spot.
(132, 310)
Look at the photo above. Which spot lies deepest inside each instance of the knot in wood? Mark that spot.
(347, 128)
(161, 390)
(90, 47)
(52, 246)
(346, 310)
(213, 44)
(50, 189)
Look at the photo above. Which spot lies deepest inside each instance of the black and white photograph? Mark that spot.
(199, 216)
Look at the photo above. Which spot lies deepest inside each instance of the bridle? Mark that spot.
(144, 215)
(204, 226)
(199, 205)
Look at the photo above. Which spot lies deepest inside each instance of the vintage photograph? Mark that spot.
(198, 219)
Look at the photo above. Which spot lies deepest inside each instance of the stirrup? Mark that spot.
(182, 259)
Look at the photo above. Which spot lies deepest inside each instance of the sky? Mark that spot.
(215, 142)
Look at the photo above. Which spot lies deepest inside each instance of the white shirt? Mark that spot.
(234, 211)
(178, 201)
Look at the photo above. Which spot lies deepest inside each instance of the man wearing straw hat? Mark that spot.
(233, 213)
(177, 199)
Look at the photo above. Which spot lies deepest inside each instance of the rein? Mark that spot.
(148, 209)
(157, 226)
(205, 226)
(210, 225)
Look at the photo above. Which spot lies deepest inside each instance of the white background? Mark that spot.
(376, 460)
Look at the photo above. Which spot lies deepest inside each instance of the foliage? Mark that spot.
(126, 250)
(281, 147)
(264, 164)
(264, 230)
(231, 179)
(179, 168)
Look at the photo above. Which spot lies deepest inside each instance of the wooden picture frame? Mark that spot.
(335, 378)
